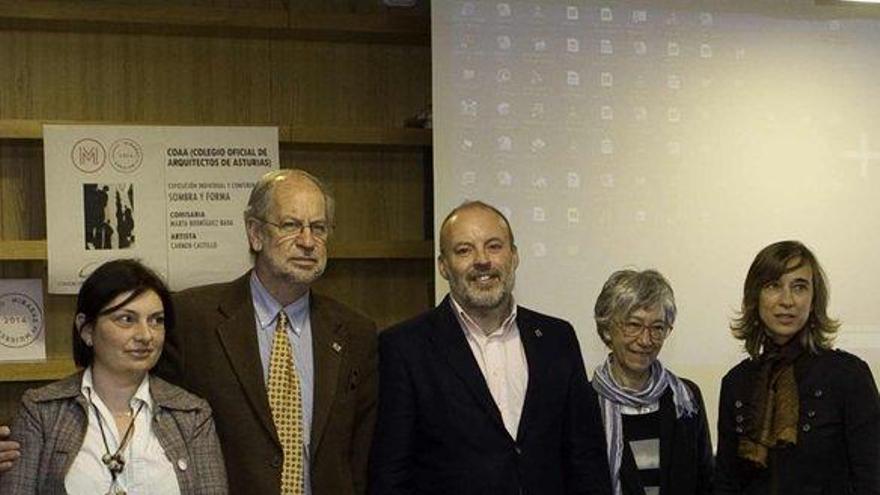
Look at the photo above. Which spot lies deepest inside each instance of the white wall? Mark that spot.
(650, 135)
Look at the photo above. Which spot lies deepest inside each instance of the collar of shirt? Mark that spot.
(267, 308)
(142, 394)
(471, 326)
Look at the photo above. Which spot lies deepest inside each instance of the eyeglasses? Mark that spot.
(295, 228)
(656, 331)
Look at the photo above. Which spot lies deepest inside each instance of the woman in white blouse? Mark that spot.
(112, 427)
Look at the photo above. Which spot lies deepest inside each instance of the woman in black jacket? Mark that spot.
(655, 422)
(796, 417)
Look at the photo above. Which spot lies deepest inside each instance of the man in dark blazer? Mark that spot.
(480, 396)
(216, 353)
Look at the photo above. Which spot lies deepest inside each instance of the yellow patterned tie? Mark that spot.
(286, 404)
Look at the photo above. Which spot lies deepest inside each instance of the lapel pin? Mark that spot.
(538, 332)
(336, 347)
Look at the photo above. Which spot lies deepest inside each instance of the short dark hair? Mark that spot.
(104, 285)
(475, 204)
(771, 263)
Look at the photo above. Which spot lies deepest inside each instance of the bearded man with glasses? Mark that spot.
(655, 422)
(291, 375)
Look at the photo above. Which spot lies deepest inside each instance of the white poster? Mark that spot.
(22, 322)
(172, 197)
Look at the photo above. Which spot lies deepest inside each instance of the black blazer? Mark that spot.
(838, 443)
(213, 352)
(439, 431)
(686, 459)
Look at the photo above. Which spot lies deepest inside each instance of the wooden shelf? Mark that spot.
(25, 371)
(58, 15)
(36, 250)
(382, 249)
(287, 135)
(23, 250)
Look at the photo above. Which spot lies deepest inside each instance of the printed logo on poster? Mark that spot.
(21, 320)
(88, 155)
(126, 155)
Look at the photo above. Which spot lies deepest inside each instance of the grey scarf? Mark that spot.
(612, 396)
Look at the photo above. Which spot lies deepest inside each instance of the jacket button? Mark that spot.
(739, 429)
(739, 418)
(517, 450)
(738, 404)
(181, 464)
(818, 393)
(811, 414)
(806, 428)
(276, 461)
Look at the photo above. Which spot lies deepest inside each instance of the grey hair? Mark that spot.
(627, 291)
(261, 194)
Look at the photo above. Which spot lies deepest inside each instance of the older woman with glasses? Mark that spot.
(655, 422)
(112, 427)
(796, 416)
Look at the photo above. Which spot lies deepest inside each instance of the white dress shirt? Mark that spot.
(147, 468)
(502, 360)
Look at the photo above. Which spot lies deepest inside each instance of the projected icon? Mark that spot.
(641, 113)
(539, 45)
(468, 74)
(572, 13)
(537, 110)
(540, 182)
(605, 47)
(640, 47)
(706, 50)
(469, 108)
(503, 109)
(572, 78)
(537, 145)
(539, 249)
(607, 113)
(607, 181)
(573, 215)
(639, 16)
(673, 49)
(505, 143)
(503, 75)
(607, 146)
(573, 180)
(536, 78)
(706, 19)
(572, 45)
(503, 9)
(468, 9)
(606, 80)
(673, 81)
(468, 178)
(504, 42)
(538, 214)
(605, 14)
(504, 178)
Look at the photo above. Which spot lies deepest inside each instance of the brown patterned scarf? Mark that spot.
(774, 407)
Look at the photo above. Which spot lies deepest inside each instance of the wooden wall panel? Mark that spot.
(379, 195)
(148, 78)
(179, 79)
(387, 291)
